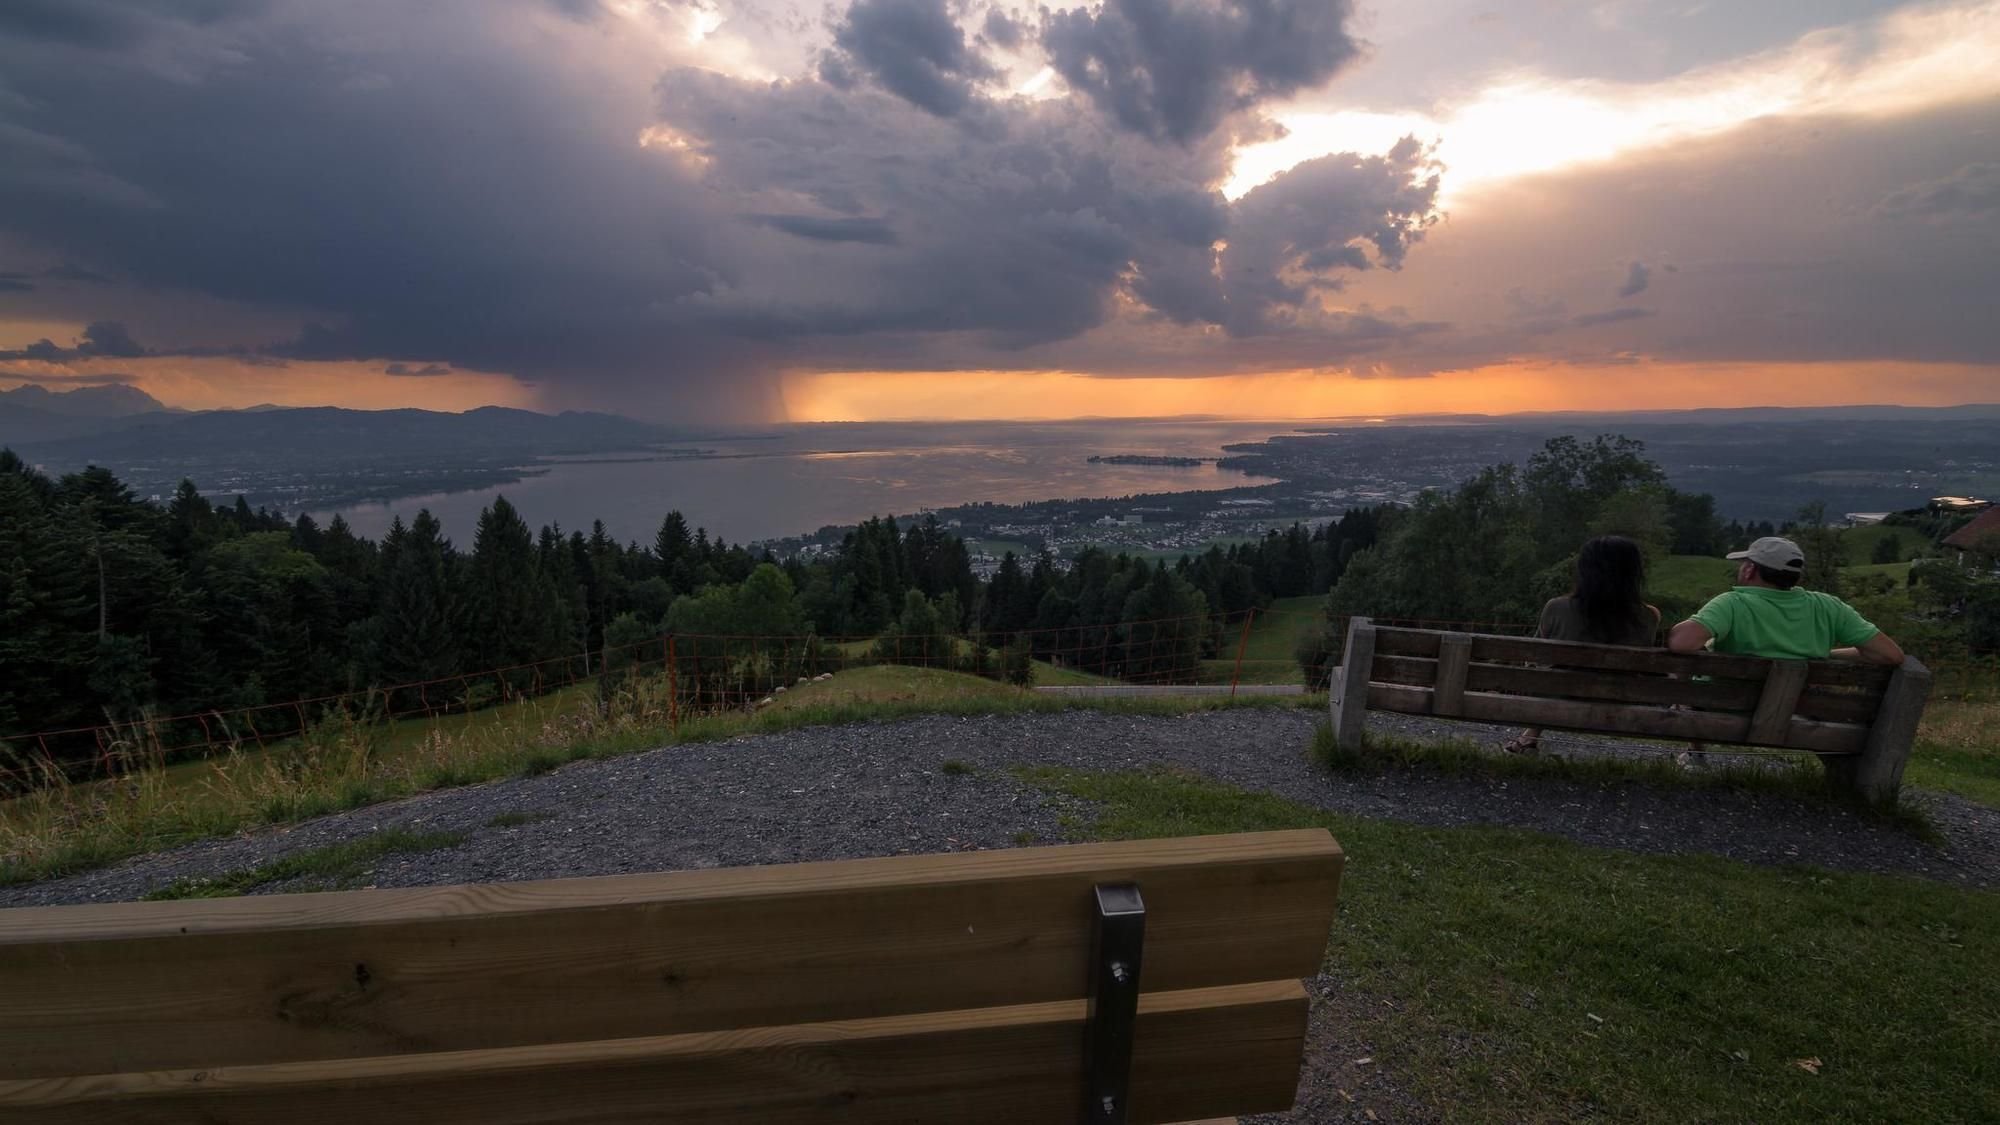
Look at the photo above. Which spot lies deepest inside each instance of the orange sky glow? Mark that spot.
(1496, 389)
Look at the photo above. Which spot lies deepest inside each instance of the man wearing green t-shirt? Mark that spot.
(1768, 615)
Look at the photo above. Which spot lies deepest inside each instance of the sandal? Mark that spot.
(1522, 744)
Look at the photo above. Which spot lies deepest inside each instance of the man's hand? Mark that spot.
(1689, 636)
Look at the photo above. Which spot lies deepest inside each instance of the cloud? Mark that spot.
(1972, 191)
(1003, 31)
(13, 283)
(109, 338)
(1636, 280)
(69, 272)
(102, 338)
(914, 49)
(1610, 316)
(428, 369)
(874, 231)
(90, 379)
(1177, 69)
(1047, 230)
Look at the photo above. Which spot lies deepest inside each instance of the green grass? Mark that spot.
(1049, 675)
(1860, 542)
(891, 684)
(1501, 975)
(1691, 578)
(338, 865)
(1270, 652)
(1797, 775)
(1958, 750)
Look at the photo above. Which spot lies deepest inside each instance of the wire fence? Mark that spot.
(713, 674)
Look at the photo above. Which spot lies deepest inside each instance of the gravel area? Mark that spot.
(939, 783)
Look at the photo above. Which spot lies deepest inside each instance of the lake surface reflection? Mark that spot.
(802, 478)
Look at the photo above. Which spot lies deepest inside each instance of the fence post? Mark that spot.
(673, 689)
(1241, 644)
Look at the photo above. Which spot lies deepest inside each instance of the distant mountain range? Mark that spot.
(34, 413)
(1711, 416)
(117, 425)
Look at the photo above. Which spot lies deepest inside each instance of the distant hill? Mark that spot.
(113, 400)
(329, 435)
(33, 413)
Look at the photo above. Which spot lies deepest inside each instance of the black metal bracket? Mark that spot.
(1117, 940)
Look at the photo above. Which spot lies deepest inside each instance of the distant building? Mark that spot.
(1132, 520)
(1865, 519)
(1959, 504)
(1981, 535)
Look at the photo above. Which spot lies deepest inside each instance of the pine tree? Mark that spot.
(672, 551)
(510, 603)
(420, 611)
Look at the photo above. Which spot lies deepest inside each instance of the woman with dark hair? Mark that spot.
(1607, 606)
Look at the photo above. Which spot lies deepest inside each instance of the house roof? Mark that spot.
(1984, 527)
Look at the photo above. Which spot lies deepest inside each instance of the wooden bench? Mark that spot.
(1860, 719)
(947, 988)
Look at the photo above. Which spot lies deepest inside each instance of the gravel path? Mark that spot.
(905, 787)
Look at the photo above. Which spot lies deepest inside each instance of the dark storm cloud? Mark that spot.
(915, 50)
(413, 371)
(15, 283)
(410, 180)
(1971, 191)
(1611, 316)
(1028, 237)
(103, 338)
(1636, 280)
(1177, 69)
(1002, 30)
(109, 338)
(875, 231)
(408, 175)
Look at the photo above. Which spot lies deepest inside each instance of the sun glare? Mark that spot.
(1526, 124)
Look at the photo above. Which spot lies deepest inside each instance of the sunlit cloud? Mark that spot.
(1523, 124)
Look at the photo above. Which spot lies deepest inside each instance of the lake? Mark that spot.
(798, 479)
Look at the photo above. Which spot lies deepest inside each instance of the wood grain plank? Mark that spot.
(1347, 702)
(1617, 718)
(1454, 656)
(1771, 722)
(1197, 1053)
(146, 986)
(1611, 687)
(1616, 658)
(1406, 642)
(1839, 705)
(1879, 774)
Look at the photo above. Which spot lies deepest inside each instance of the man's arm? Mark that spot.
(1878, 649)
(1689, 636)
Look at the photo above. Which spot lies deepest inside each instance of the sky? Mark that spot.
(770, 210)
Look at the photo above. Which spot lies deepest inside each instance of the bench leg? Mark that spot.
(1347, 699)
(1876, 774)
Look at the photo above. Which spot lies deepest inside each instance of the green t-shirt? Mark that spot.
(1783, 624)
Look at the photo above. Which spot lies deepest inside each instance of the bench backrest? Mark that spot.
(949, 988)
(1828, 707)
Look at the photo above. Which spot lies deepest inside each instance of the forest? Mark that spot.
(224, 620)
(201, 622)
